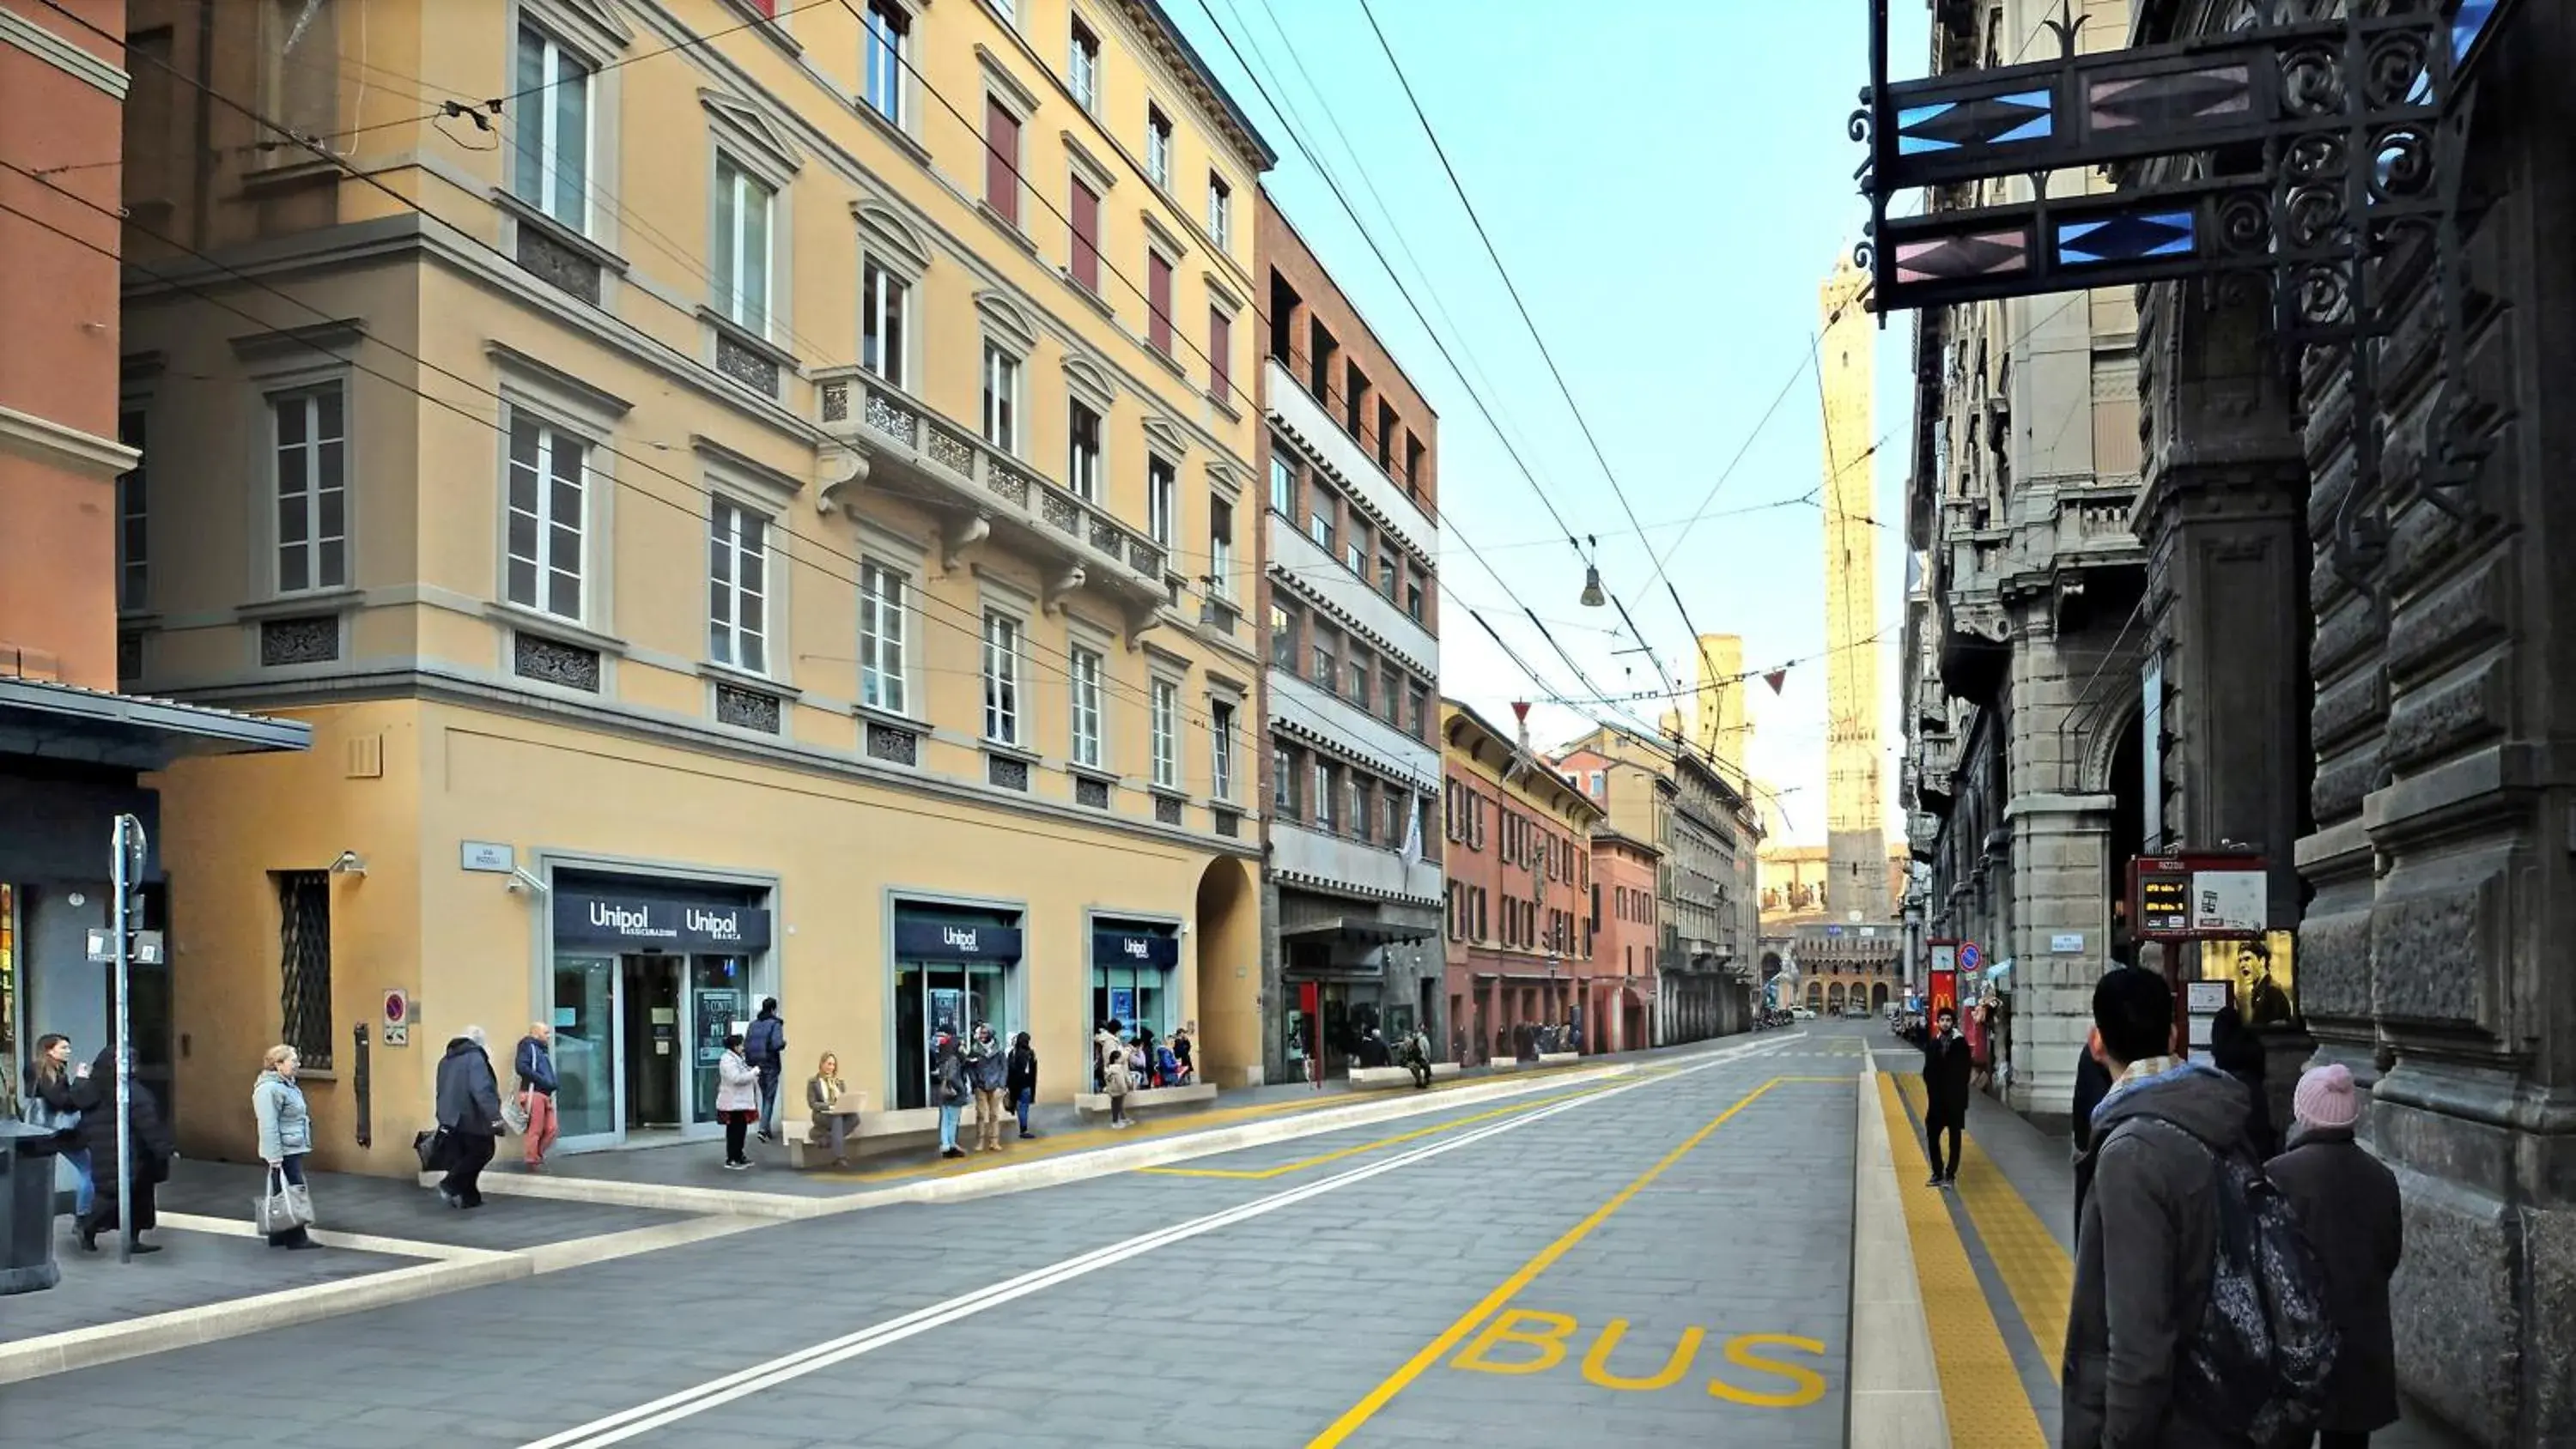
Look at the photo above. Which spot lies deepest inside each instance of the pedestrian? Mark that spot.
(51, 1081)
(1140, 1057)
(1185, 1042)
(285, 1135)
(765, 1048)
(1117, 1080)
(534, 1063)
(738, 1099)
(1022, 1081)
(1103, 1042)
(2146, 1251)
(1945, 1095)
(469, 1117)
(94, 1097)
(832, 1121)
(949, 1085)
(2092, 1084)
(2348, 1205)
(988, 1070)
(2237, 1051)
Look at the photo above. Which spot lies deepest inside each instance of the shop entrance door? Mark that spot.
(589, 1095)
(934, 996)
(652, 1050)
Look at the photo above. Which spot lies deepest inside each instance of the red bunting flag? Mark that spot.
(1775, 679)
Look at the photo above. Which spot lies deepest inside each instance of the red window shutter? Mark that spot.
(1002, 161)
(1220, 351)
(1158, 302)
(1086, 236)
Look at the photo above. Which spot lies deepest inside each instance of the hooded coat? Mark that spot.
(469, 1099)
(94, 1097)
(2349, 1208)
(2144, 1255)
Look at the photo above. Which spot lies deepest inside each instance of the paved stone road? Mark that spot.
(1482, 1275)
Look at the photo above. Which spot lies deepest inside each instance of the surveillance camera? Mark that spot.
(521, 881)
(349, 863)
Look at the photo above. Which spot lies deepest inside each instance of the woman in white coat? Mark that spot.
(737, 1101)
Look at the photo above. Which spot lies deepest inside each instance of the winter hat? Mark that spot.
(2326, 1099)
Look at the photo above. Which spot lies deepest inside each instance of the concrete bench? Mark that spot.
(872, 1134)
(1559, 1059)
(1150, 1099)
(1373, 1078)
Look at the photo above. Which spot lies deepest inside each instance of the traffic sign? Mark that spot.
(397, 1016)
(1969, 956)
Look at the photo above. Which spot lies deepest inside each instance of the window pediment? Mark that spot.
(1005, 318)
(1166, 437)
(1089, 381)
(748, 132)
(593, 26)
(885, 231)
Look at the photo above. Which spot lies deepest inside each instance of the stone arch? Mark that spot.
(2100, 726)
(1834, 997)
(1815, 996)
(1878, 997)
(1223, 993)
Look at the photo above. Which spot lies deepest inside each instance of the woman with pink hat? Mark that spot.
(2348, 1204)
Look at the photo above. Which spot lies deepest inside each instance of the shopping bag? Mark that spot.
(514, 1114)
(283, 1206)
(432, 1146)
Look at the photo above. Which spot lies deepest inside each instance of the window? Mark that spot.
(1082, 67)
(1001, 399)
(1326, 674)
(737, 586)
(1354, 399)
(1283, 781)
(312, 489)
(1283, 486)
(1319, 523)
(882, 295)
(1390, 574)
(1363, 811)
(1220, 212)
(1085, 672)
(1480, 913)
(1413, 597)
(304, 963)
(1160, 502)
(1390, 692)
(881, 626)
(1283, 638)
(1327, 785)
(546, 504)
(1597, 781)
(1158, 148)
(133, 500)
(1221, 547)
(1158, 302)
(1001, 678)
(1412, 465)
(1320, 352)
(1084, 266)
(742, 246)
(1082, 468)
(1008, 9)
(882, 58)
(1355, 549)
(1385, 437)
(1220, 353)
(1399, 815)
(553, 133)
(1419, 701)
(1001, 161)
(1359, 679)
(1163, 724)
(1221, 750)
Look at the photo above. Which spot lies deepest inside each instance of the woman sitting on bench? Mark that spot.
(833, 1122)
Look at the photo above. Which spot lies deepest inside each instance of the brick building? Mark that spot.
(1519, 851)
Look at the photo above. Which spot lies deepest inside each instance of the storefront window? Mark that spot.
(585, 1045)
(953, 968)
(1133, 965)
(9, 997)
(720, 1003)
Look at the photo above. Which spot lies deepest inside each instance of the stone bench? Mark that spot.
(1150, 1099)
(1559, 1059)
(1373, 1078)
(872, 1134)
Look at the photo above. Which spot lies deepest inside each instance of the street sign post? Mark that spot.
(126, 868)
(2199, 897)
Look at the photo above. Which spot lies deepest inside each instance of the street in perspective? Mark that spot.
(1294, 723)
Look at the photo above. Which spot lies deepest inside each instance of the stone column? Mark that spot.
(2061, 871)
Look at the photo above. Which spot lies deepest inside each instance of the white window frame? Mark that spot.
(308, 394)
(735, 184)
(1082, 67)
(134, 507)
(1003, 386)
(1221, 716)
(1283, 469)
(550, 436)
(895, 107)
(1321, 817)
(1162, 499)
(1085, 673)
(1005, 639)
(1158, 147)
(1221, 548)
(1220, 216)
(1082, 469)
(1163, 731)
(553, 51)
(729, 641)
(883, 293)
(885, 656)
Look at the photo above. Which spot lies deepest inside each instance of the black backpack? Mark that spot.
(2265, 1344)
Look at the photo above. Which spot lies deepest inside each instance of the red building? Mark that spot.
(1520, 920)
(1626, 926)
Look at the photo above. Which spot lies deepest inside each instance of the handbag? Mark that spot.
(284, 1206)
(514, 1113)
(433, 1149)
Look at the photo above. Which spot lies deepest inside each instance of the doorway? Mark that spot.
(649, 992)
(935, 996)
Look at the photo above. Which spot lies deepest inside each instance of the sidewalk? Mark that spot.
(2013, 1214)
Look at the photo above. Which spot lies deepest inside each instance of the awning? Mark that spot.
(56, 721)
(1362, 930)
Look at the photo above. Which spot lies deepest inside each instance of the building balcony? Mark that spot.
(1296, 412)
(981, 494)
(1300, 564)
(1298, 705)
(1301, 855)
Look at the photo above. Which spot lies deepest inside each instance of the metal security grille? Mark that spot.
(304, 964)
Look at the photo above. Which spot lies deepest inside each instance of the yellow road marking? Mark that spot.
(1261, 1174)
(2035, 1269)
(1395, 1383)
(1981, 1393)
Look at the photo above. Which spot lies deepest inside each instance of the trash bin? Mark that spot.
(26, 1209)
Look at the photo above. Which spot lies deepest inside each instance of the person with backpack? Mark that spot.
(1022, 1081)
(949, 1087)
(1946, 1065)
(2348, 1203)
(765, 1048)
(2180, 1233)
(988, 1070)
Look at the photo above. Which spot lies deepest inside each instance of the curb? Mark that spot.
(1894, 1401)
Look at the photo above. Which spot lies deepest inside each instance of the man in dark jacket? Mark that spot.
(469, 1112)
(94, 1097)
(1945, 1094)
(765, 1048)
(534, 1065)
(2348, 1206)
(2092, 1084)
(2149, 1236)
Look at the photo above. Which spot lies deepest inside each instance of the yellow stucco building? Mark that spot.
(755, 516)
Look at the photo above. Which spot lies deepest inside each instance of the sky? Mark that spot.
(1669, 183)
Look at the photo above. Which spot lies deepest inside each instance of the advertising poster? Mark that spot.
(1944, 989)
(1122, 1004)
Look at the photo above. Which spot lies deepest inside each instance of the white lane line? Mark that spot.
(672, 1408)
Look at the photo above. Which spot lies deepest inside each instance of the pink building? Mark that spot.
(1620, 1015)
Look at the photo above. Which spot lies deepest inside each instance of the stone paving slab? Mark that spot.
(194, 1270)
(390, 1207)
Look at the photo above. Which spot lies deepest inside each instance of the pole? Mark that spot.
(127, 852)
